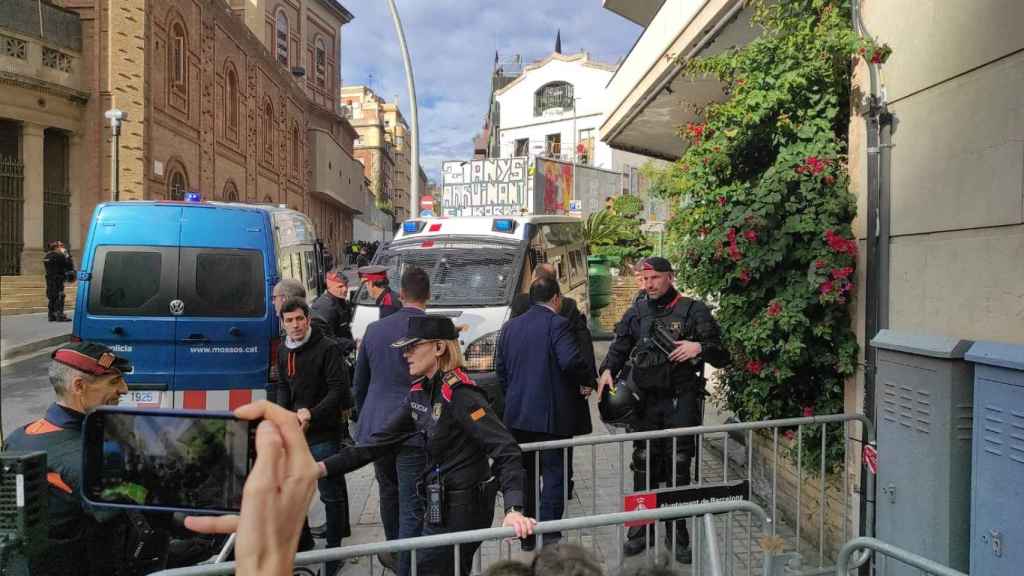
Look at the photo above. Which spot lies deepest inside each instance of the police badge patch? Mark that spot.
(437, 410)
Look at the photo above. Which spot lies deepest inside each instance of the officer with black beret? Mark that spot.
(461, 432)
(664, 339)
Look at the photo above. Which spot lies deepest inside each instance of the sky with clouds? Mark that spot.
(452, 43)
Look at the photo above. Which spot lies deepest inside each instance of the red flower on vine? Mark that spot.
(826, 287)
(755, 367)
(812, 165)
(744, 276)
(840, 244)
(774, 309)
(695, 131)
(721, 200)
(789, 434)
(750, 235)
(808, 411)
(839, 273)
(819, 264)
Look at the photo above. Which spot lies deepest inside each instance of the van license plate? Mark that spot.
(141, 399)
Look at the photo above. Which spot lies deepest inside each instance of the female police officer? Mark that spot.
(461, 431)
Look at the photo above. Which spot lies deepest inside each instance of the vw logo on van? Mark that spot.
(177, 307)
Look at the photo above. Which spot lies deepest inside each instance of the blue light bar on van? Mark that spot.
(193, 197)
(412, 226)
(506, 225)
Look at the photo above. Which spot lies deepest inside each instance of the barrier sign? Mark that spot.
(718, 492)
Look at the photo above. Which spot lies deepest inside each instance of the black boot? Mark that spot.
(636, 541)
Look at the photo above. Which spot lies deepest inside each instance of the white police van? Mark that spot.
(477, 265)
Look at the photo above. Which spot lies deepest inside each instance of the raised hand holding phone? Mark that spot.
(276, 494)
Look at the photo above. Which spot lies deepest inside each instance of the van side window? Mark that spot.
(130, 279)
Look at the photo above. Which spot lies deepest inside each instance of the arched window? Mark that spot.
(296, 147)
(177, 185)
(321, 63)
(230, 191)
(179, 49)
(231, 96)
(267, 130)
(281, 37)
(552, 95)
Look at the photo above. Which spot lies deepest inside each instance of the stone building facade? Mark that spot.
(233, 99)
(41, 132)
(376, 147)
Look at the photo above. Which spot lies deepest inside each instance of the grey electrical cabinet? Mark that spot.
(923, 398)
(997, 470)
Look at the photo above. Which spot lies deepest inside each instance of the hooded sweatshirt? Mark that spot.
(314, 376)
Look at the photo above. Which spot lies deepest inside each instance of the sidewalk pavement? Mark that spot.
(26, 333)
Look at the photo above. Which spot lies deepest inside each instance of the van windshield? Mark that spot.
(462, 272)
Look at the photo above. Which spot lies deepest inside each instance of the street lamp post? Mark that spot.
(116, 117)
(414, 194)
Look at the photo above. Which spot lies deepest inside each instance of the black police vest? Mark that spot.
(652, 370)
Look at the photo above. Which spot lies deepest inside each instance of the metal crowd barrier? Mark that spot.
(743, 429)
(843, 564)
(769, 567)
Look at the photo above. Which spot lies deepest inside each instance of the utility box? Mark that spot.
(923, 401)
(997, 492)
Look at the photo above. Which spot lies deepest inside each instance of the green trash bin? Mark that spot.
(600, 279)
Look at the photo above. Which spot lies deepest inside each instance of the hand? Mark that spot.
(304, 416)
(346, 414)
(275, 498)
(685, 350)
(604, 381)
(585, 391)
(522, 524)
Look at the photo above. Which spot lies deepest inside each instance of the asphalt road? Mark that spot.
(25, 391)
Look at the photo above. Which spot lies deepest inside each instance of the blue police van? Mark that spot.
(184, 290)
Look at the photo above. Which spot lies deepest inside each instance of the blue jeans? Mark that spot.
(334, 495)
(401, 506)
(552, 484)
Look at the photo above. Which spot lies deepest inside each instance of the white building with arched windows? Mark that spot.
(553, 109)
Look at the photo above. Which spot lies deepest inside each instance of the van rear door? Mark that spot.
(223, 334)
(129, 291)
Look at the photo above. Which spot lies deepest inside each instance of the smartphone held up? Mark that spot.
(172, 460)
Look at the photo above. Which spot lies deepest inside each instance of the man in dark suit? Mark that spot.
(381, 385)
(539, 367)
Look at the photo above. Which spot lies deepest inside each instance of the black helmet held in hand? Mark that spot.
(619, 403)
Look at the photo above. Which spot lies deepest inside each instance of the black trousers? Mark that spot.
(54, 297)
(464, 510)
(660, 411)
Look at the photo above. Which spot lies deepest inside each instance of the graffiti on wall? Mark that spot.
(485, 187)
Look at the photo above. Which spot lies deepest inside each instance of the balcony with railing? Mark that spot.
(336, 175)
(41, 46)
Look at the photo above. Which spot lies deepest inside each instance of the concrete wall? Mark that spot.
(955, 83)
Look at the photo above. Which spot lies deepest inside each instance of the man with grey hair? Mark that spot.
(286, 289)
(81, 539)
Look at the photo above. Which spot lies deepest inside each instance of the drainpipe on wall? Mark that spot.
(878, 121)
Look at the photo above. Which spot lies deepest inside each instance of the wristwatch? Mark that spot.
(514, 509)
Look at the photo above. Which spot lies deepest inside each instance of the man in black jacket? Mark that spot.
(315, 385)
(57, 263)
(333, 308)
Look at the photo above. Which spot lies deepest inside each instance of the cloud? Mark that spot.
(452, 44)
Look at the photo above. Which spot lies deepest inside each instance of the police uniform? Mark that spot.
(81, 540)
(670, 392)
(460, 431)
(388, 301)
(56, 264)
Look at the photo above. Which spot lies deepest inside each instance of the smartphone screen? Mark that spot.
(171, 460)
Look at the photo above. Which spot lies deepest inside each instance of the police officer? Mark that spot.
(58, 264)
(376, 280)
(334, 309)
(670, 383)
(461, 432)
(81, 540)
